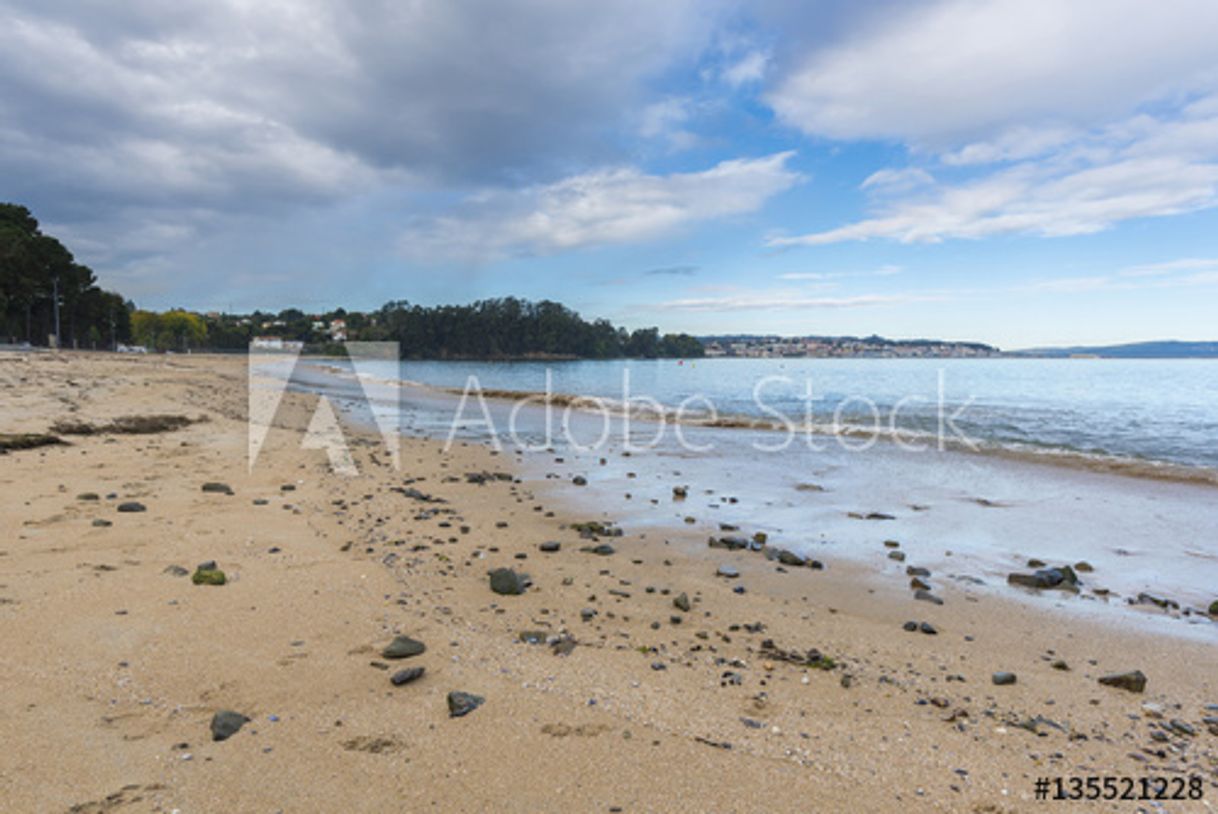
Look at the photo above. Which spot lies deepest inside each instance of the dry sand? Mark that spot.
(112, 668)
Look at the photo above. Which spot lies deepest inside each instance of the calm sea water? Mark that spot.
(1140, 410)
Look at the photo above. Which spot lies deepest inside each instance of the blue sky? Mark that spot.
(1023, 173)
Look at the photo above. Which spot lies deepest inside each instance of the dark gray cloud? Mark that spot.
(166, 120)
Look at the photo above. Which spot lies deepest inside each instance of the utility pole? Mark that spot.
(55, 288)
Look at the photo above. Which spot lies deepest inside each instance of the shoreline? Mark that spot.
(100, 700)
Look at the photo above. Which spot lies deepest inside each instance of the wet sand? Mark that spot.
(113, 668)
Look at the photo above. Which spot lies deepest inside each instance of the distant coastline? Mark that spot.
(1165, 349)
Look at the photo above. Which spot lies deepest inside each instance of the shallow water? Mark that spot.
(1142, 410)
(966, 516)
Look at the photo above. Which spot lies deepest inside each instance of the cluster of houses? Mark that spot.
(838, 347)
(335, 330)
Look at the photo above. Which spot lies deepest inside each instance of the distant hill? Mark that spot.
(1168, 349)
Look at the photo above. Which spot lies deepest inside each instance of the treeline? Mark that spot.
(35, 266)
(507, 328)
(512, 328)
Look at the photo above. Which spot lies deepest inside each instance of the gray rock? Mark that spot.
(1182, 728)
(217, 488)
(579, 480)
(792, 559)
(1063, 577)
(1133, 681)
(928, 629)
(681, 602)
(226, 723)
(602, 550)
(101, 523)
(550, 546)
(587, 614)
(176, 571)
(207, 565)
(88, 496)
(1158, 601)
(730, 542)
(927, 596)
(728, 571)
(910, 627)
(680, 492)
(463, 703)
(131, 506)
(406, 676)
(899, 556)
(403, 647)
(1002, 679)
(507, 582)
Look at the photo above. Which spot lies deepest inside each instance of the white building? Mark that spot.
(276, 343)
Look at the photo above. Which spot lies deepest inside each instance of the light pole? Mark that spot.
(55, 297)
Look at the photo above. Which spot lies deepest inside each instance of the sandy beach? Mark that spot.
(613, 699)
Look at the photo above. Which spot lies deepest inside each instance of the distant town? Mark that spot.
(874, 347)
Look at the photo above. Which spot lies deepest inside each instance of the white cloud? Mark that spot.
(666, 121)
(604, 207)
(781, 301)
(883, 271)
(1183, 273)
(1163, 269)
(947, 74)
(902, 180)
(748, 69)
(1139, 167)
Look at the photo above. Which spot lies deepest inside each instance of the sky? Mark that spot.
(1020, 172)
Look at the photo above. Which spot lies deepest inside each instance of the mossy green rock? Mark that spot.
(212, 576)
(1214, 608)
